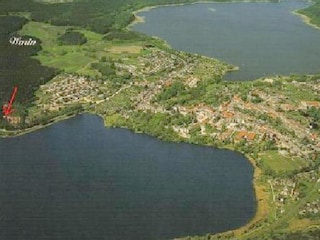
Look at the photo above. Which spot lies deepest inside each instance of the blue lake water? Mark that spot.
(261, 38)
(77, 180)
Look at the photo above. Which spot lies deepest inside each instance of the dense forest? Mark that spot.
(17, 68)
(72, 38)
(97, 15)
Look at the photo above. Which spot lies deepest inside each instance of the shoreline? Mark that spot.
(305, 19)
(260, 193)
(261, 198)
(139, 19)
(17, 133)
(259, 189)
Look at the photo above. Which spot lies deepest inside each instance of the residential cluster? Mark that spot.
(283, 191)
(237, 120)
(310, 209)
(149, 64)
(177, 68)
(234, 120)
(68, 89)
(157, 61)
(289, 190)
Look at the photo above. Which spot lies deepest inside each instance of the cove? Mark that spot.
(77, 180)
(261, 38)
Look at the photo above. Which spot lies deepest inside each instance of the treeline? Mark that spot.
(49, 117)
(157, 124)
(43, 119)
(97, 15)
(124, 35)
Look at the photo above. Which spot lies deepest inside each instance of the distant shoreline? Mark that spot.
(139, 19)
(305, 19)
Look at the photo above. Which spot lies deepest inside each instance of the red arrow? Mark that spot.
(7, 108)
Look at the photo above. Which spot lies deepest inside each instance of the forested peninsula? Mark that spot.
(85, 59)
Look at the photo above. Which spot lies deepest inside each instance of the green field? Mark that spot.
(75, 58)
(277, 162)
(68, 58)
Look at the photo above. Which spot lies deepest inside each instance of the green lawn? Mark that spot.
(298, 93)
(277, 162)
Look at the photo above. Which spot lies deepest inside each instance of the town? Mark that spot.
(272, 120)
(253, 117)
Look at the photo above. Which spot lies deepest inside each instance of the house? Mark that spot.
(225, 135)
(310, 104)
(249, 136)
(288, 107)
(237, 99)
(13, 120)
(313, 137)
(227, 114)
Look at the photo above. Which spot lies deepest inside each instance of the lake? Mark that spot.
(261, 38)
(77, 180)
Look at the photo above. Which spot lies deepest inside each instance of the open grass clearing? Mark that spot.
(71, 62)
(77, 58)
(275, 161)
(298, 93)
(73, 58)
(47, 33)
(133, 49)
(53, 1)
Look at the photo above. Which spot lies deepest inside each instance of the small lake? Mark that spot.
(77, 180)
(261, 38)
